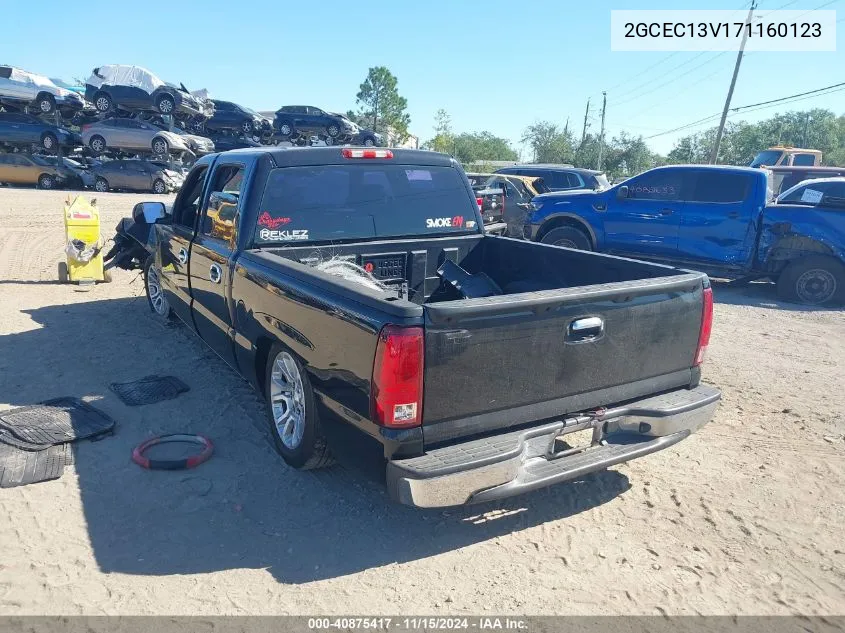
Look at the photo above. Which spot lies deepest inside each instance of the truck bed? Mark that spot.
(520, 357)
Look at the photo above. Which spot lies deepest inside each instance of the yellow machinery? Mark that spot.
(83, 244)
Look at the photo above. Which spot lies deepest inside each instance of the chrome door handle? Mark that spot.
(587, 329)
(183, 256)
(215, 274)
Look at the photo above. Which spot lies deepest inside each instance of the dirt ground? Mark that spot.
(746, 517)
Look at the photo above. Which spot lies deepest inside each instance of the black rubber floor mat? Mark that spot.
(149, 390)
(56, 421)
(18, 468)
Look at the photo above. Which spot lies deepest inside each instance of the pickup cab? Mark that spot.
(356, 290)
(720, 220)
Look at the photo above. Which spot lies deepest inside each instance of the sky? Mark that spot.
(493, 65)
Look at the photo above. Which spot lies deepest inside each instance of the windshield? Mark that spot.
(767, 157)
(356, 202)
(38, 160)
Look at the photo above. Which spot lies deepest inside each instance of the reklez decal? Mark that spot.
(296, 235)
(265, 219)
(436, 223)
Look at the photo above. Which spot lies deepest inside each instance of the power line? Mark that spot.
(796, 100)
(652, 89)
(800, 94)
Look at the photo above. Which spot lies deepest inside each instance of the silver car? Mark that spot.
(21, 88)
(131, 134)
(136, 175)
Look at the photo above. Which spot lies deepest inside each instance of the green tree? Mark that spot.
(549, 143)
(382, 106)
(481, 146)
(443, 140)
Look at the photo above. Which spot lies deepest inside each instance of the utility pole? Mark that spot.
(806, 125)
(715, 153)
(584, 129)
(601, 135)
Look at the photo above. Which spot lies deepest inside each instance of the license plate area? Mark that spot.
(576, 439)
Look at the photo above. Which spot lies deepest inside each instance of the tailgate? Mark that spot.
(506, 360)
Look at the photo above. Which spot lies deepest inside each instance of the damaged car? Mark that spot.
(136, 175)
(18, 129)
(132, 134)
(22, 89)
(116, 86)
(23, 169)
(237, 118)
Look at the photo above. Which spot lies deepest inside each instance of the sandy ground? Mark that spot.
(744, 518)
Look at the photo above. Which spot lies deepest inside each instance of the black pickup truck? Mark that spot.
(357, 290)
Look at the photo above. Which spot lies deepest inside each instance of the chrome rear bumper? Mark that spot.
(512, 463)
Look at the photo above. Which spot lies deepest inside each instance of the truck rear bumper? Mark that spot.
(512, 463)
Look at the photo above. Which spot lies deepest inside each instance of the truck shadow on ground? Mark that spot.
(761, 294)
(244, 508)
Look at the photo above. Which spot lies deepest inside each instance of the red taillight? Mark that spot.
(706, 327)
(397, 387)
(479, 201)
(347, 152)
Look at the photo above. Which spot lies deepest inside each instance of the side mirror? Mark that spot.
(148, 212)
(622, 192)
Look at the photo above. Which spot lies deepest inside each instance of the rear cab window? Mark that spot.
(333, 203)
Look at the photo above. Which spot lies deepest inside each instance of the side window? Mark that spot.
(713, 186)
(222, 208)
(188, 201)
(804, 160)
(658, 185)
(5, 72)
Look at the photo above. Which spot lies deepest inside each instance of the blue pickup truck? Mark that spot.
(720, 220)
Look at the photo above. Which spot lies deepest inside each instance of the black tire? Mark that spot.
(101, 184)
(45, 103)
(569, 237)
(46, 181)
(286, 129)
(97, 144)
(165, 104)
(64, 274)
(247, 128)
(160, 145)
(312, 450)
(329, 141)
(815, 280)
(159, 186)
(369, 142)
(333, 130)
(102, 102)
(155, 298)
(49, 141)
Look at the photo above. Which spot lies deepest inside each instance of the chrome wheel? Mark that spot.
(285, 129)
(159, 146)
(98, 144)
(47, 142)
(157, 298)
(45, 105)
(287, 399)
(246, 127)
(333, 130)
(165, 106)
(369, 143)
(158, 186)
(102, 104)
(101, 185)
(816, 286)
